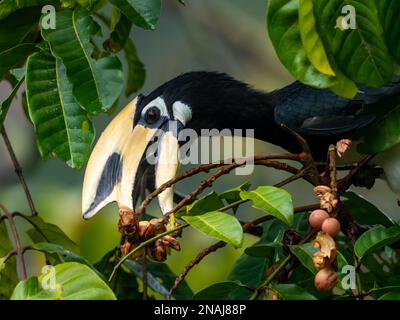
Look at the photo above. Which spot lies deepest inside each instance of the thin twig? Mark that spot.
(18, 247)
(18, 170)
(258, 159)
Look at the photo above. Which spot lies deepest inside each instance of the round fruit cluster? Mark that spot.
(326, 277)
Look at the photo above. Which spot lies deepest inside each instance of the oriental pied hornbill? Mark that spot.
(118, 170)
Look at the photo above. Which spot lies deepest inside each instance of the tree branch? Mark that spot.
(19, 250)
(18, 171)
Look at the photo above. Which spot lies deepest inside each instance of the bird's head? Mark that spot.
(140, 149)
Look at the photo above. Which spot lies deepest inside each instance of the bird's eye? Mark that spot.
(152, 115)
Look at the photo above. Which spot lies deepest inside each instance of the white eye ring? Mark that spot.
(160, 104)
(182, 112)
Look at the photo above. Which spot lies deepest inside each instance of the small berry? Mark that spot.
(326, 279)
(317, 217)
(331, 226)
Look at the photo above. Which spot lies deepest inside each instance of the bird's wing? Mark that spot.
(312, 111)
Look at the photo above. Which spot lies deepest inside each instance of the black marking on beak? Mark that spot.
(110, 176)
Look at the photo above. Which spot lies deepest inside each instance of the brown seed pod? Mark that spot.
(327, 254)
(326, 279)
(157, 251)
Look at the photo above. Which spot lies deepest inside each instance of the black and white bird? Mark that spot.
(118, 168)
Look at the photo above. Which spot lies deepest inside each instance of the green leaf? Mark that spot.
(233, 195)
(9, 6)
(63, 254)
(363, 211)
(119, 32)
(143, 13)
(251, 270)
(389, 12)
(274, 201)
(218, 225)
(209, 202)
(221, 291)
(361, 53)
(160, 278)
(311, 39)
(305, 253)
(8, 273)
(288, 291)
(50, 233)
(313, 43)
(284, 31)
(136, 70)
(19, 27)
(374, 239)
(383, 133)
(14, 57)
(62, 127)
(391, 295)
(74, 281)
(96, 84)
(5, 105)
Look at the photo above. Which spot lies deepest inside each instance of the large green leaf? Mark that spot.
(74, 281)
(19, 27)
(63, 254)
(383, 133)
(50, 233)
(274, 201)
(96, 84)
(14, 57)
(363, 211)
(374, 239)
(289, 291)
(9, 6)
(143, 13)
(321, 59)
(5, 105)
(391, 295)
(62, 127)
(389, 12)
(8, 272)
(361, 53)
(284, 31)
(263, 249)
(311, 39)
(218, 225)
(221, 291)
(136, 70)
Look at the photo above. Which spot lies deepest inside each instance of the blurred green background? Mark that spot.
(216, 35)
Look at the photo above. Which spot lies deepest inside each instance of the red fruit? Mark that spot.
(331, 226)
(317, 217)
(326, 279)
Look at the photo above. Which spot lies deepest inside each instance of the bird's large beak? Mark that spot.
(118, 163)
